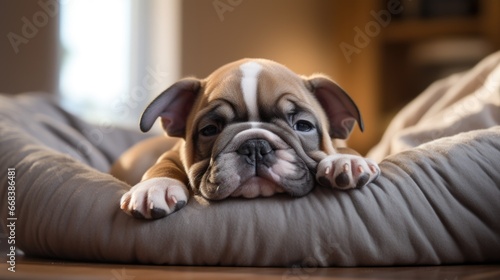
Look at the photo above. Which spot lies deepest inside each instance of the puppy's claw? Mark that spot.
(327, 170)
(124, 202)
(346, 167)
(360, 169)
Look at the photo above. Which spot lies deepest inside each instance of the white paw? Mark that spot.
(346, 171)
(154, 198)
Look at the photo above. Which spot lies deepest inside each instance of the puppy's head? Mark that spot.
(253, 127)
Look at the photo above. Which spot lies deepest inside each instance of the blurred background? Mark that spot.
(106, 59)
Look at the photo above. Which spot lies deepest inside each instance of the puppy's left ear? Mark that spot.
(173, 107)
(340, 109)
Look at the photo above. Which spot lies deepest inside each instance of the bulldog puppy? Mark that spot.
(252, 128)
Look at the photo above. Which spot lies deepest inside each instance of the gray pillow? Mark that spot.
(435, 204)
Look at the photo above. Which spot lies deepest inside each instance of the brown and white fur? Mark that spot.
(252, 128)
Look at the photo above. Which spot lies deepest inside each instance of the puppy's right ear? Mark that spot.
(173, 107)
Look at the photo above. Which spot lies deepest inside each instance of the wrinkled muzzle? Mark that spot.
(251, 161)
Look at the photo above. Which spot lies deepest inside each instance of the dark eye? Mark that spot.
(209, 130)
(303, 126)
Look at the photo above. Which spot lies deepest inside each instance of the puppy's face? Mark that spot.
(253, 128)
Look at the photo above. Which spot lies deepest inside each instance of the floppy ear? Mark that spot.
(340, 109)
(173, 107)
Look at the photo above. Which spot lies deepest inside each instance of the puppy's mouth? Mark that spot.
(254, 179)
(256, 163)
(257, 186)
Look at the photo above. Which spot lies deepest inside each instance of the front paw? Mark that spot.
(345, 171)
(154, 198)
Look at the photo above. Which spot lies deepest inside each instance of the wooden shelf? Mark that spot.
(414, 30)
(391, 73)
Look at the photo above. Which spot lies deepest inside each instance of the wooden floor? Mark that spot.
(27, 268)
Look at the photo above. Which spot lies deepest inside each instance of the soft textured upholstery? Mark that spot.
(436, 202)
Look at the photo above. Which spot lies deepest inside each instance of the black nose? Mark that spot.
(255, 150)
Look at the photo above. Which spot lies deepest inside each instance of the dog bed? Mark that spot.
(436, 202)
